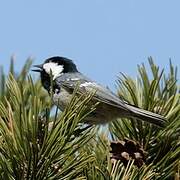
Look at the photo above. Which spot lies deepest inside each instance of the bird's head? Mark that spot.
(55, 67)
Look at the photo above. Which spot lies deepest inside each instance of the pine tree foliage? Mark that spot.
(28, 149)
(160, 95)
(39, 142)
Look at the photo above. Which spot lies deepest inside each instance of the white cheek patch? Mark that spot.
(54, 68)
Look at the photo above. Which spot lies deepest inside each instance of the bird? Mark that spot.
(65, 76)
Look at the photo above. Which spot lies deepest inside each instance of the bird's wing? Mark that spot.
(102, 94)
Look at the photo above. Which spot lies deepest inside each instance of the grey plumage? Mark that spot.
(111, 107)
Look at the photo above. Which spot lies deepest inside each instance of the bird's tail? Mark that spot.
(147, 116)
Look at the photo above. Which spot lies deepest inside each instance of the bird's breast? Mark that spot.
(62, 98)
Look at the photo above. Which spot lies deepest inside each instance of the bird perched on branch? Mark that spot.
(65, 77)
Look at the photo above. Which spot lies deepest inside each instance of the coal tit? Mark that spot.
(65, 76)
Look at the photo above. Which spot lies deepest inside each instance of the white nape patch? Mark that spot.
(88, 84)
(54, 68)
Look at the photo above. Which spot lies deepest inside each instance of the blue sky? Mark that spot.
(103, 37)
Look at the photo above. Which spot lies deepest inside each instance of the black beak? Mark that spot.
(40, 68)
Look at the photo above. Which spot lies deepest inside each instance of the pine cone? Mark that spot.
(126, 150)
